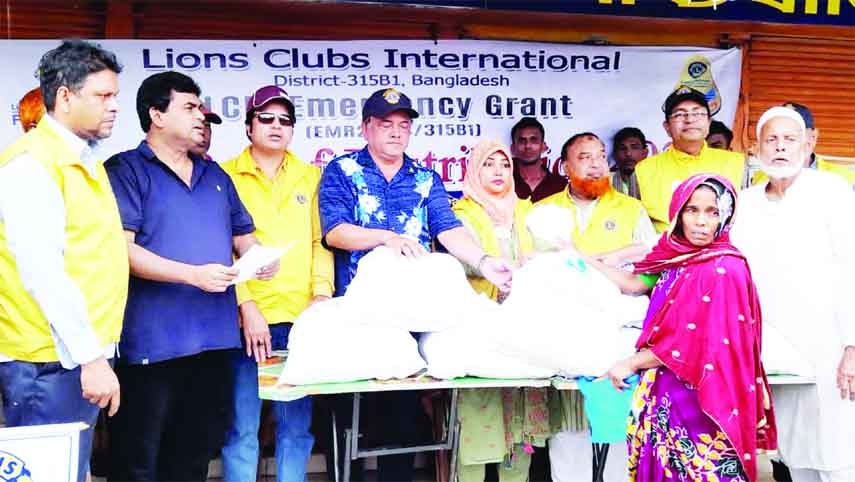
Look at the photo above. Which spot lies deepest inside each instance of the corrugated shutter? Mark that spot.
(264, 19)
(271, 20)
(52, 19)
(818, 73)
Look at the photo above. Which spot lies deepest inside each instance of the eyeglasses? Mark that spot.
(684, 116)
(269, 117)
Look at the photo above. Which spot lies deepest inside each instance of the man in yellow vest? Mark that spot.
(63, 256)
(608, 225)
(813, 161)
(687, 122)
(281, 193)
(616, 229)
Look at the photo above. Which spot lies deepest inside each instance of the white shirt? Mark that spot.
(801, 251)
(33, 211)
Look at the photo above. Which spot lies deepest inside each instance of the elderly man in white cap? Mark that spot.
(798, 233)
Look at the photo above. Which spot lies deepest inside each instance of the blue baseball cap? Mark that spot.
(385, 101)
(803, 111)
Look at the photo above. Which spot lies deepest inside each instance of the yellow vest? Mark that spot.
(96, 252)
(611, 226)
(821, 165)
(474, 215)
(659, 175)
(284, 210)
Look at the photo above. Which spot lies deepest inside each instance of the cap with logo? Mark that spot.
(682, 94)
(385, 101)
(210, 116)
(268, 93)
(803, 111)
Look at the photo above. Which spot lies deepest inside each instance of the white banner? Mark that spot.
(463, 89)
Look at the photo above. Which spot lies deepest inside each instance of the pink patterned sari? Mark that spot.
(702, 414)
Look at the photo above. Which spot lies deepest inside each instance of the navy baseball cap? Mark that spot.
(803, 111)
(682, 94)
(384, 102)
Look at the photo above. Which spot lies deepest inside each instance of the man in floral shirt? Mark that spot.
(379, 196)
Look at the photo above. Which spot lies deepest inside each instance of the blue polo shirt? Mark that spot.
(192, 225)
(354, 191)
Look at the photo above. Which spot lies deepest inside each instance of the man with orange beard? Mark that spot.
(616, 229)
(31, 108)
(608, 225)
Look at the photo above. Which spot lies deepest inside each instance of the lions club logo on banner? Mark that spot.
(13, 469)
(697, 73)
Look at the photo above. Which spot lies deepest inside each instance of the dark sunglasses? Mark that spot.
(268, 117)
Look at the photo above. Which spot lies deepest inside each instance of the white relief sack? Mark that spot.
(468, 349)
(567, 316)
(550, 227)
(423, 294)
(328, 344)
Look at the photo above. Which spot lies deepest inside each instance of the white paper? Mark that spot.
(256, 258)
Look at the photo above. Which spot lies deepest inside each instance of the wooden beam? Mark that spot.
(120, 19)
(298, 20)
(741, 135)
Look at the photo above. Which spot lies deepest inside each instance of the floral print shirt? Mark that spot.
(354, 191)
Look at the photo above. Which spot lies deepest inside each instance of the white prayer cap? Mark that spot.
(779, 111)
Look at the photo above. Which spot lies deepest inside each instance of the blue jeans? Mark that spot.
(293, 439)
(44, 393)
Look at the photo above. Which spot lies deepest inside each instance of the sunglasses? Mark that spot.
(269, 117)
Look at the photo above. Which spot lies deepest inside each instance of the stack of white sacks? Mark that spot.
(562, 317)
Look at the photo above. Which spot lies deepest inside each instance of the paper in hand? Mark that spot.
(256, 258)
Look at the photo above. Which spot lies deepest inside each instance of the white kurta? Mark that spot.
(801, 251)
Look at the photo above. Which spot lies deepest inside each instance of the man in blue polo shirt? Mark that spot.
(184, 221)
(379, 196)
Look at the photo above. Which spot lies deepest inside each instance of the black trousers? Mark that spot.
(388, 419)
(171, 418)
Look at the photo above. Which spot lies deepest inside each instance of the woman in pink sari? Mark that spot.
(703, 407)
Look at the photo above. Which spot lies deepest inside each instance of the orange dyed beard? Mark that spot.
(590, 188)
(31, 109)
